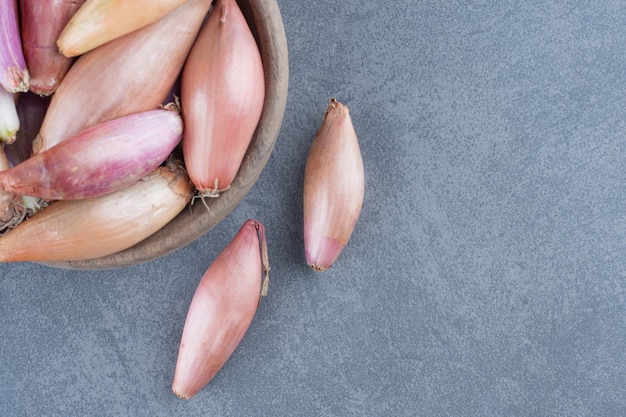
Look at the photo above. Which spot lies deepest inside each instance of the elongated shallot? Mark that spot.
(222, 94)
(334, 186)
(72, 230)
(222, 309)
(100, 21)
(99, 160)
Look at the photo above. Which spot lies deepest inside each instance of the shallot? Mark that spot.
(41, 23)
(73, 230)
(222, 95)
(130, 74)
(100, 21)
(334, 186)
(222, 309)
(99, 160)
(14, 76)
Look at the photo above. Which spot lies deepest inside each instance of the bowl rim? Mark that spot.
(195, 220)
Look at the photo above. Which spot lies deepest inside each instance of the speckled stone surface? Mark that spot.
(486, 275)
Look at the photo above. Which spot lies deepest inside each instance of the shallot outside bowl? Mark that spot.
(194, 221)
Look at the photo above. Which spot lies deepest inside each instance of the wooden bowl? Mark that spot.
(193, 222)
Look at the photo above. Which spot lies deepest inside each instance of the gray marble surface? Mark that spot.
(486, 275)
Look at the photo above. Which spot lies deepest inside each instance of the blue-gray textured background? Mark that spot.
(486, 275)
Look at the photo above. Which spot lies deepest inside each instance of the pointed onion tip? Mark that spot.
(180, 394)
(321, 251)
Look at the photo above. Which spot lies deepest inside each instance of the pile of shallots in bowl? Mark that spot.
(116, 115)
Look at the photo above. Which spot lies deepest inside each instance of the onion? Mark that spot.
(334, 187)
(9, 120)
(14, 76)
(128, 75)
(99, 160)
(100, 21)
(222, 94)
(222, 309)
(72, 230)
(41, 24)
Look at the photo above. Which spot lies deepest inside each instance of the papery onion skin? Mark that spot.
(14, 76)
(127, 75)
(9, 120)
(100, 21)
(221, 310)
(41, 23)
(222, 95)
(99, 160)
(334, 187)
(76, 230)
